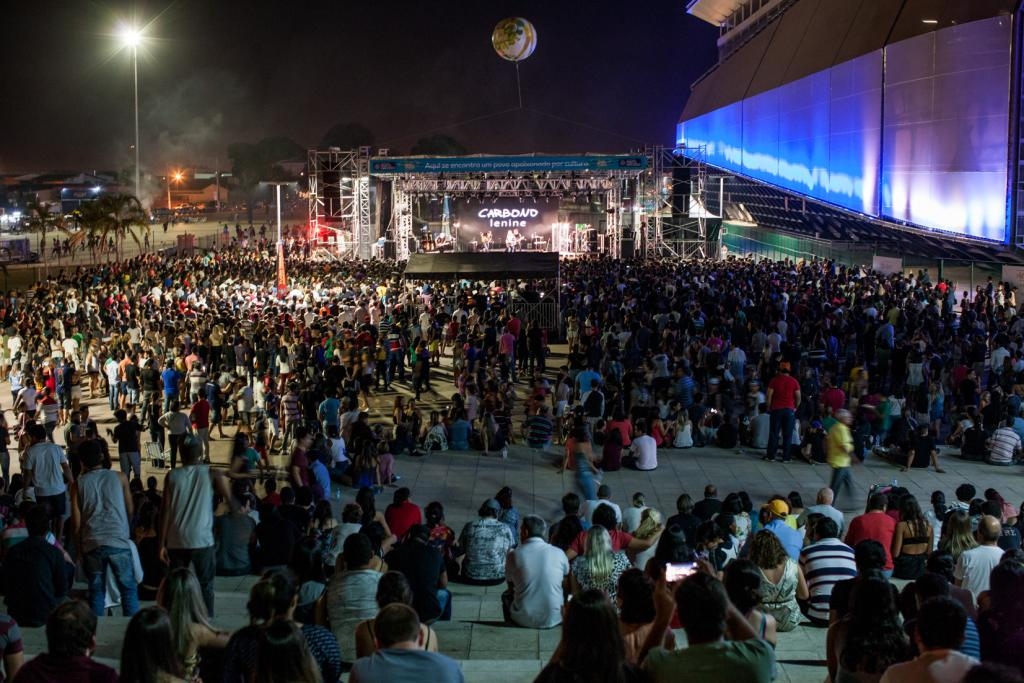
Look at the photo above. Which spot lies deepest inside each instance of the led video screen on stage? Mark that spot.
(495, 226)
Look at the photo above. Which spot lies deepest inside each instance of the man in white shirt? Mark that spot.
(644, 450)
(535, 572)
(975, 565)
(632, 515)
(604, 494)
(46, 469)
(939, 632)
(823, 506)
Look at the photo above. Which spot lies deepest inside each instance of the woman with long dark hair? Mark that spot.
(912, 541)
(742, 580)
(272, 600)
(635, 600)
(862, 645)
(591, 649)
(148, 654)
(284, 656)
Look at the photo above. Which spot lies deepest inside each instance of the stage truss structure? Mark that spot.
(406, 186)
(339, 202)
(673, 206)
(655, 202)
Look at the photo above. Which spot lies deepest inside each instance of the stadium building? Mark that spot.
(894, 125)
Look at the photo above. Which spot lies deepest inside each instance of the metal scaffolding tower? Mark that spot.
(336, 201)
(613, 229)
(673, 196)
(401, 208)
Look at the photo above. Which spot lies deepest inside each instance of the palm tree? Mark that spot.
(41, 218)
(118, 216)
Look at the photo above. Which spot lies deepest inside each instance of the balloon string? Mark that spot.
(519, 85)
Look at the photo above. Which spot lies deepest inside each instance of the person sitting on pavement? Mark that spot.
(70, 645)
(485, 542)
(536, 573)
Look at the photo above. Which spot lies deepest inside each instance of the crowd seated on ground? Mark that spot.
(811, 363)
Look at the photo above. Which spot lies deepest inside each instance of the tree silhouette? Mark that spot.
(438, 145)
(349, 135)
(252, 164)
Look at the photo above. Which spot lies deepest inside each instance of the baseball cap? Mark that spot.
(778, 507)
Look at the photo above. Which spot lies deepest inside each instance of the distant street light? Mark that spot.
(131, 38)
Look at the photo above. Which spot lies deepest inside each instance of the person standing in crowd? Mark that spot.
(101, 506)
(783, 397)
(46, 469)
(178, 427)
(186, 531)
(199, 416)
(126, 436)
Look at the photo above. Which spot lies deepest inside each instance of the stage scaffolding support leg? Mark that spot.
(613, 232)
(364, 227)
(401, 207)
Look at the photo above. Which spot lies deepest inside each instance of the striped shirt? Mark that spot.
(290, 407)
(824, 563)
(538, 430)
(1002, 444)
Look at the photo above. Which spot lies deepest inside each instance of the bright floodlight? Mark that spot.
(178, 176)
(130, 36)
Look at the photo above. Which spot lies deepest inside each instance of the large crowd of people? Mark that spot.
(810, 362)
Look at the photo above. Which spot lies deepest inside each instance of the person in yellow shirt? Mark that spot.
(838, 449)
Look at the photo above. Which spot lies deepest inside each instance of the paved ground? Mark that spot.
(495, 653)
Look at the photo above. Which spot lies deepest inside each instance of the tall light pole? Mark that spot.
(131, 38)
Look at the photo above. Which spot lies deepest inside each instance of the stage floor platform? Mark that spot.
(493, 264)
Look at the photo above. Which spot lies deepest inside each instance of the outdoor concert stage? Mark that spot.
(533, 265)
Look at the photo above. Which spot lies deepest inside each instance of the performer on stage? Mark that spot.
(512, 239)
(485, 241)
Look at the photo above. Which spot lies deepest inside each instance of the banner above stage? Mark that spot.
(603, 163)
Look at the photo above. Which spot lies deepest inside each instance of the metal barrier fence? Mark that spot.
(546, 314)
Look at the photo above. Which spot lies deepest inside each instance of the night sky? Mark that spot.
(215, 72)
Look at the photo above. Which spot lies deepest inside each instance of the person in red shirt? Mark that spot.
(874, 525)
(783, 398)
(199, 415)
(604, 515)
(402, 514)
(832, 398)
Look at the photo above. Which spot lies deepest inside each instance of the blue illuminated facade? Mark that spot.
(917, 131)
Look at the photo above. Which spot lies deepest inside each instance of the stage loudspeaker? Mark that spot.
(627, 246)
(330, 192)
(681, 192)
